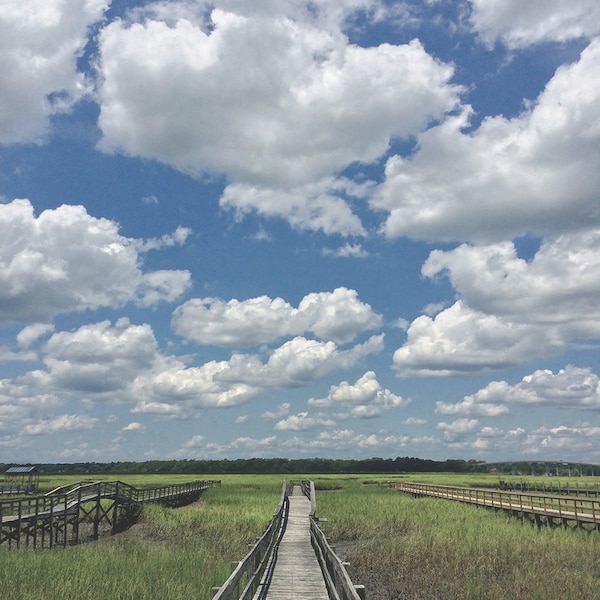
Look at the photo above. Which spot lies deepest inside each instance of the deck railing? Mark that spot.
(338, 582)
(566, 508)
(44, 520)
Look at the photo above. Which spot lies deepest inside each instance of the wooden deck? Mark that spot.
(554, 509)
(297, 573)
(54, 519)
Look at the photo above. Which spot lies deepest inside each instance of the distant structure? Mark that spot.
(18, 480)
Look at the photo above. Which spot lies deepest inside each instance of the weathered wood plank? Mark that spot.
(297, 573)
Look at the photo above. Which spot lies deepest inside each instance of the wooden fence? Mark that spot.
(71, 514)
(338, 582)
(569, 488)
(540, 508)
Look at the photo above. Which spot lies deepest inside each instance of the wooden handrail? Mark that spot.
(338, 582)
(245, 579)
(574, 508)
(63, 503)
(308, 489)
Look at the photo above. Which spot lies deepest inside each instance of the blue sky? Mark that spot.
(337, 228)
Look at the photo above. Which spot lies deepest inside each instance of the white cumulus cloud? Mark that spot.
(533, 173)
(65, 260)
(337, 315)
(278, 100)
(40, 42)
(509, 309)
(363, 399)
(519, 24)
(244, 376)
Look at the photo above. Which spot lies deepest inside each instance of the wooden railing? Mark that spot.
(571, 488)
(338, 582)
(565, 508)
(246, 577)
(11, 489)
(45, 520)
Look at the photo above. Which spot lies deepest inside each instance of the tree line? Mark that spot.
(260, 466)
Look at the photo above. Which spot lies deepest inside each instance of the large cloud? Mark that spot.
(274, 100)
(460, 340)
(244, 376)
(97, 361)
(337, 315)
(121, 363)
(99, 358)
(40, 42)
(262, 98)
(510, 310)
(571, 387)
(520, 24)
(533, 173)
(66, 260)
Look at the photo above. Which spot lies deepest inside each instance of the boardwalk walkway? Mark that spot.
(553, 509)
(297, 573)
(71, 514)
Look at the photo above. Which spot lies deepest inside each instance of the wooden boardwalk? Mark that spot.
(297, 573)
(55, 518)
(554, 509)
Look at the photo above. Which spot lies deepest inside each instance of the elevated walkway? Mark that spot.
(292, 559)
(297, 573)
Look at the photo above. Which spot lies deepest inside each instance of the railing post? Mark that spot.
(313, 499)
(19, 527)
(97, 515)
(76, 523)
(66, 521)
(115, 509)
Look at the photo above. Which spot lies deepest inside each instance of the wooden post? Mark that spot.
(66, 522)
(19, 526)
(234, 566)
(97, 516)
(360, 590)
(51, 523)
(35, 526)
(76, 522)
(115, 509)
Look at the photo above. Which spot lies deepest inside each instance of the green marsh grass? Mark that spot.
(170, 554)
(399, 547)
(423, 548)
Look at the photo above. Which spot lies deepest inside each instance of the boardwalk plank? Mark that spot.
(297, 573)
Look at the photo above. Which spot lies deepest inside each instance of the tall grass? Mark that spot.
(170, 554)
(402, 547)
(399, 547)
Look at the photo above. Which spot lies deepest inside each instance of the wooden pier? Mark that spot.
(541, 509)
(296, 573)
(71, 514)
(292, 559)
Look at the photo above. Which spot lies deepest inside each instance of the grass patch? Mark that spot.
(397, 546)
(425, 548)
(170, 553)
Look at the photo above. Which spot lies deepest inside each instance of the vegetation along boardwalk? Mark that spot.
(542, 509)
(292, 559)
(70, 514)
